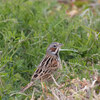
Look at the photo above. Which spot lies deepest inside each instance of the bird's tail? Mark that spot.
(27, 86)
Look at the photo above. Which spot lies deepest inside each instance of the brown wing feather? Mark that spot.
(46, 68)
(40, 69)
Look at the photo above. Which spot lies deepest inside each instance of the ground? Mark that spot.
(27, 27)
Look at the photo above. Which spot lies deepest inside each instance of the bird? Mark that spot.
(49, 64)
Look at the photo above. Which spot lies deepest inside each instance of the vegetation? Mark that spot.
(27, 27)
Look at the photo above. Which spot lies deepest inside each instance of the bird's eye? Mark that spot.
(54, 46)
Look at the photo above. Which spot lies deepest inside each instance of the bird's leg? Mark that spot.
(55, 81)
(46, 88)
(42, 86)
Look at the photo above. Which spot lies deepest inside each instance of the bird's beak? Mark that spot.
(60, 44)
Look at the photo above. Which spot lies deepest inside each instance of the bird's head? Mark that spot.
(53, 48)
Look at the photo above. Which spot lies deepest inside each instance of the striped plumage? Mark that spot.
(48, 65)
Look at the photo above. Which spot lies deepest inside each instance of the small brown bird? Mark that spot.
(49, 64)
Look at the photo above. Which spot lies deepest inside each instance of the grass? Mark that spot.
(27, 28)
